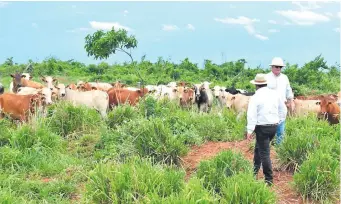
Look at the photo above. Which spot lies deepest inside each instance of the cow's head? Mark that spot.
(61, 89)
(49, 81)
(142, 91)
(17, 82)
(324, 105)
(216, 91)
(187, 96)
(197, 88)
(229, 101)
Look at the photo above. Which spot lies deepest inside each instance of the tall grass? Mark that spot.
(225, 164)
(319, 177)
(243, 188)
(131, 181)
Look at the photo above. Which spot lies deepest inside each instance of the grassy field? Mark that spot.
(73, 156)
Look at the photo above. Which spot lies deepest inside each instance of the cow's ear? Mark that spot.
(93, 88)
(67, 86)
(31, 77)
(43, 79)
(12, 75)
(318, 103)
(233, 98)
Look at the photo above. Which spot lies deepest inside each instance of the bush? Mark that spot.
(134, 180)
(120, 115)
(27, 136)
(67, 120)
(5, 127)
(243, 188)
(226, 164)
(154, 138)
(319, 177)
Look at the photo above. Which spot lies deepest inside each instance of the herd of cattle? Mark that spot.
(25, 96)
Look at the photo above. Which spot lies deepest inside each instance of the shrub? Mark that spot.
(66, 119)
(295, 149)
(243, 188)
(120, 115)
(134, 180)
(226, 164)
(5, 127)
(319, 177)
(27, 136)
(154, 138)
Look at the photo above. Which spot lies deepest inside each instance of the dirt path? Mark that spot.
(284, 191)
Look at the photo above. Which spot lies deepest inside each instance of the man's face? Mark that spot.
(276, 70)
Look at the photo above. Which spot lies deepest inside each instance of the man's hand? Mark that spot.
(249, 136)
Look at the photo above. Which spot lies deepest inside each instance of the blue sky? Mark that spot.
(218, 31)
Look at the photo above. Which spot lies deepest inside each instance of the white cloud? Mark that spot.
(34, 25)
(272, 21)
(3, 4)
(304, 17)
(337, 30)
(261, 37)
(169, 27)
(190, 27)
(273, 31)
(241, 20)
(108, 25)
(247, 23)
(125, 12)
(310, 5)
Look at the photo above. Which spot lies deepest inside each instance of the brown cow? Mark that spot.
(121, 96)
(330, 110)
(19, 106)
(187, 98)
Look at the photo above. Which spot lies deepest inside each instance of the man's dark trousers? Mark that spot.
(264, 134)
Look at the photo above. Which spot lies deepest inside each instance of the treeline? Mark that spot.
(313, 77)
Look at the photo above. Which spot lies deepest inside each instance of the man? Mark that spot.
(265, 110)
(280, 83)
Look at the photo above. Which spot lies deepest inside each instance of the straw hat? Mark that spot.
(259, 79)
(277, 61)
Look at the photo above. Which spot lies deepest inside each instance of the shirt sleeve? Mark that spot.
(282, 109)
(251, 115)
(289, 94)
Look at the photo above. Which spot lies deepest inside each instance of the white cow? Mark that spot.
(167, 92)
(304, 107)
(237, 102)
(25, 75)
(46, 93)
(99, 100)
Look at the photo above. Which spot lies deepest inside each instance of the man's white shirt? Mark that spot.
(265, 107)
(280, 84)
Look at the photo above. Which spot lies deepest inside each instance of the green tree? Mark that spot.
(102, 44)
